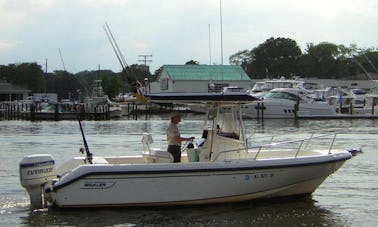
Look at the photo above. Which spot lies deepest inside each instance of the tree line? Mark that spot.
(69, 85)
(274, 58)
(278, 57)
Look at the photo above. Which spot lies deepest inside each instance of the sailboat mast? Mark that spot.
(221, 35)
(209, 45)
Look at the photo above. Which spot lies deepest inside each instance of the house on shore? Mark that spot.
(9, 92)
(199, 78)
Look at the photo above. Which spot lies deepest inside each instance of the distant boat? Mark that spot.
(262, 87)
(289, 103)
(98, 99)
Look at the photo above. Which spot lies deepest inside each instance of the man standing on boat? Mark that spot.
(174, 138)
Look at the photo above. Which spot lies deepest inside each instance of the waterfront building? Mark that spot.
(199, 78)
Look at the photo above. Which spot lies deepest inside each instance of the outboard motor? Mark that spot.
(35, 171)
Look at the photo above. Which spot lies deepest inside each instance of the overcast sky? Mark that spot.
(172, 31)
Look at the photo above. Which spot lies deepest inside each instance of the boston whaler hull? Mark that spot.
(191, 183)
(224, 166)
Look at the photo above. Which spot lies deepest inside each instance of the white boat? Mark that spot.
(289, 103)
(98, 99)
(224, 167)
(370, 107)
(344, 100)
(262, 87)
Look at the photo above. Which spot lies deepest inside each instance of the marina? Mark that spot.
(299, 103)
(59, 111)
(259, 130)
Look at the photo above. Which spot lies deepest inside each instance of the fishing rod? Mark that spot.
(88, 153)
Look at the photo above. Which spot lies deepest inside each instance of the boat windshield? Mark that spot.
(258, 86)
(278, 84)
(280, 95)
(359, 92)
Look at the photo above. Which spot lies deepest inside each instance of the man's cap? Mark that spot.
(175, 114)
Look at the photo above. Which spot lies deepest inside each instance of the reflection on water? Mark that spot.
(282, 212)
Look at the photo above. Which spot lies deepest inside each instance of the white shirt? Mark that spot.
(172, 133)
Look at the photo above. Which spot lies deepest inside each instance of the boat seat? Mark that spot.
(153, 155)
(147, 141)
(157, 156)
(99, 160)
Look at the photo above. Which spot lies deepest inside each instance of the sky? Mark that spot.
(69, 34)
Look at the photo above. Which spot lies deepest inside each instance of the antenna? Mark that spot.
(209, 44)
(46, 67)
(221, 30)
(61, 58)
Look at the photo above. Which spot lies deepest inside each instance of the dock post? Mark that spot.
(374, 103)
(18, 111)
(128, 108)
(56, 112)
(7, 111)
(32, 112)
(12, 110)
(108, 111)
(258, 110)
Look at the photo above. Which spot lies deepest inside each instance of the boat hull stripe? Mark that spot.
(203, 170)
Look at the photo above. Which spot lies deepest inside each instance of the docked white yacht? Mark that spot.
(370, 107)
(262, 87)
(289, 103)
(223, 166)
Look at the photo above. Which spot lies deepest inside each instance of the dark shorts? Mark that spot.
(176, 152)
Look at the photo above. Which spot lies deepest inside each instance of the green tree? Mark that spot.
(112, 84)
(192, 62)
(242, 58)
(369, 61)
(274, 58)
(29, 75)
(65, 84)
(135, 76)
(320, 60)
(86, 78)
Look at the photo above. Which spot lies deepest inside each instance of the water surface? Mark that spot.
(349, 197)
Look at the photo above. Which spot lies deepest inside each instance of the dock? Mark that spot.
(82, 111)
(35, 112)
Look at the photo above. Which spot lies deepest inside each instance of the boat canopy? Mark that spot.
(201, 98)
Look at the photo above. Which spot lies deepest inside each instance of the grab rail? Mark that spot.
(270, 145)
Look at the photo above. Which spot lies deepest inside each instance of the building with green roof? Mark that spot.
(199, 78)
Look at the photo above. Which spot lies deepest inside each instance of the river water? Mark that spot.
(349, 197)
